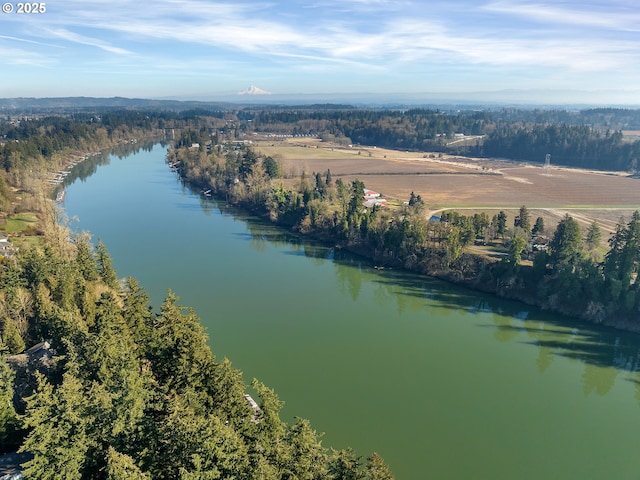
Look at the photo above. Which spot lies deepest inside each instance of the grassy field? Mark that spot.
(452, 182)
(21, 229)
(19, 223)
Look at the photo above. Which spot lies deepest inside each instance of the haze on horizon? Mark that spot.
(550, 52)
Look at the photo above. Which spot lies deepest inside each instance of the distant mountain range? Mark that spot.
(255, 96)
(71, 103)
(253, 90)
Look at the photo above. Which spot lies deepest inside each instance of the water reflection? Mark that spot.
(598, 380)
(126, 149)
(89, 166)
(86, 168)
(259, 243)
(605, 353)
(505, 330)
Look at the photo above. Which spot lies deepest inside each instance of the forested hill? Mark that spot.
(73, 104)
(31, 146)
(112, 389)
(129, 393)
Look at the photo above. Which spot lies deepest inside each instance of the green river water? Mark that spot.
(443, 382)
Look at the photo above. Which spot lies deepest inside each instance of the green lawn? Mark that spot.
(23, 243)
(20, 222)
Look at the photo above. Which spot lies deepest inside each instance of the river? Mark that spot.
(442, 382)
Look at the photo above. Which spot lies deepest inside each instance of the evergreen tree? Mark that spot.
(523, 220)
(613, 258)
(196, 445)
(178, 349)
(501, 227)
(320, 187)
(270, 430)
(137, 311)
(480, 223)
(271, 167)
(566, 245)
(307, 457)
(345, 465)
(84, 258)
(10, 336)
(538, 227)
(58, 421)
(622, 263)
(249, 159)
(594, 235)
(225, 389)
(377, 469)
(115, 363)
(105, 266)
(357, 192)
(630, 260)
(8, 418)
(122, 467)
(11, 278)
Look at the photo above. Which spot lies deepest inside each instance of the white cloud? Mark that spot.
(255, 28)
(274, 38)
(611, 15)
(81, 39)
(22, 57)
(33, 42)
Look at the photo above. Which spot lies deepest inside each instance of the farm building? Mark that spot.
(371, 198)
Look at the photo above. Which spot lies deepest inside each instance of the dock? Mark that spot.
(58, 177)
(254, 405)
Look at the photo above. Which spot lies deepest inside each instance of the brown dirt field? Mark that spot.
(446, 181)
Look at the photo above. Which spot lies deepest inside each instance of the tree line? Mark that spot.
(123, 391)
(32, 147)
(575, 146)
(586, 139)
(133, 393)
(568, 275)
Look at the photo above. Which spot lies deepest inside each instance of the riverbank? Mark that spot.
(68, 161)
(332, 212)
(327, 330)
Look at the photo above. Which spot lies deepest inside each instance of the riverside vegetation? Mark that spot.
(125, 392)
(568, 278)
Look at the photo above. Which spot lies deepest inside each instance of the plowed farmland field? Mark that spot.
(445, 181)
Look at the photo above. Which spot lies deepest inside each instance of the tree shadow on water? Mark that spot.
(605, 352)
(597, 347)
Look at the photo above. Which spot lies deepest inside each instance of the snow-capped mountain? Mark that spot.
(253, 90)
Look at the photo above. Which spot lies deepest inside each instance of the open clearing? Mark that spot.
(446, 181)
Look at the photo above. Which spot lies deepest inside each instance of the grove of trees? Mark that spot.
(121, 391)
(568, 277)
(586, 139)
(128, 392)
(133, 393)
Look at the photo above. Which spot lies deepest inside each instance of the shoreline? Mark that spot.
(508, 286)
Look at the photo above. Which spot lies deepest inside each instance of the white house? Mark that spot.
(369, 194)
(371, 198)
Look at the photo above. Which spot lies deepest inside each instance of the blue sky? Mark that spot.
(574, 51)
